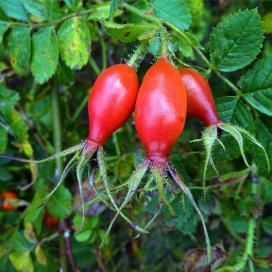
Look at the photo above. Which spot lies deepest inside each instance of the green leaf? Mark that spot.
(4, 174)
(64, 75)
(83, 235)
(267, 22)
(22, 261)
(101, 11)
(19, 49)
(45, 54)
(257, 86)
(266, 186)
(44, 9)
(73, 4)
(128, 32)
(186, 220)
(232, 110)
(29, 233)
(3, 139)
(74, 41)
(14, 9)
(33, 214)
(60, 203)
(267, 225)
(12, 119)
(236, 40)
(196, 8)
(40, 255)
(3, 28)
(19, 243)
(113, 6)
(8, 99)
(264, 136)
(18, 127)
(174, 11)
(40, 112)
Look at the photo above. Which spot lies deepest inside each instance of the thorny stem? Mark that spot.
(164, 50)
(248, 251)
(138, 54)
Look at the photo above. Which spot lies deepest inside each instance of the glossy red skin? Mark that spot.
(200, 102)
(111, 101)
(5, 205)
(160, 111)
(50, 221)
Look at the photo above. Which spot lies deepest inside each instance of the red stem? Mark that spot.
(68, 246)
(99, 259)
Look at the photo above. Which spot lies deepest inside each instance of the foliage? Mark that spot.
(50, 54)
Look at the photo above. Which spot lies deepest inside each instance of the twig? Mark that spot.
(69, 253)
(248, 250)
(55, 22)
(99, 259)
(57, 144)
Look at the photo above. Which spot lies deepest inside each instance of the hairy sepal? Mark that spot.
(84, 159)
(209, 138)
(234, 131)
(135, 181)
(61, 154)
(185, 189)
(257, 143)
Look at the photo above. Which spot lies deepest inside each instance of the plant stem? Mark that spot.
(232, 232)
(68, 246)
(55, 22)
(248, 251)
(56, 130)
(104, 54)
(142, 14)
(57, 144)
(99, 259)
(164, 50)
(65, 243)
(116, 144)
(95, 67)
(138, 54)
(228, 82)
(81, 106)
(84, 102)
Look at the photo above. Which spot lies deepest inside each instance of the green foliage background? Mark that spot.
(50, 54)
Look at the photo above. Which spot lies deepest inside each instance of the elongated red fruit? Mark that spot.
(6, 196)
(200, 101)
(160, 112)
(111, 101)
